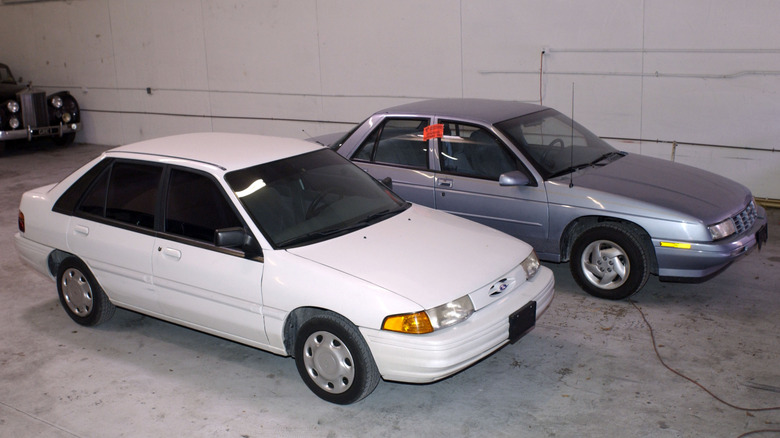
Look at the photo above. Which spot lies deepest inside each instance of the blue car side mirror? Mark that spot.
(513, 178)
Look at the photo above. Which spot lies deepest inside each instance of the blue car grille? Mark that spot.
(745, 219)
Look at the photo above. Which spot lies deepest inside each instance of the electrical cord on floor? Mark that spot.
(733, 406)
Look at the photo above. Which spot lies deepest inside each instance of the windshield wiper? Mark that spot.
(344, 229)
(384, 214)
(315, 235)
(611, 156)
(570, 169)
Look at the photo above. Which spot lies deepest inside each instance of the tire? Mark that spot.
(609, 261)
(334, 361)
(80, 294)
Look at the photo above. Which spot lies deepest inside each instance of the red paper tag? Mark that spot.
(433, 131)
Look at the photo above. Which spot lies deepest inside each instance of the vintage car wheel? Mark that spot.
(334, 360)
(66, 139)
(608, 261)
(80, 294)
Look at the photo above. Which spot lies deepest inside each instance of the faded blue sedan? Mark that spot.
(533, 173)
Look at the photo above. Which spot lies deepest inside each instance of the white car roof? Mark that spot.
(225, 150)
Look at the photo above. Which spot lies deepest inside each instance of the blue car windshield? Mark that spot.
(311, 197)
(555, 144)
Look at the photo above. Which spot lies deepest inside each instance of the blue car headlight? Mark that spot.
(722, 229)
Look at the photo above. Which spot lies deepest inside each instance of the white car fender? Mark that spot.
(285, 289)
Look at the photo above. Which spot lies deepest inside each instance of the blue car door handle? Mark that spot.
(444, 182)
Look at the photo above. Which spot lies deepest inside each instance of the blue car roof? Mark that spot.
(485, 110)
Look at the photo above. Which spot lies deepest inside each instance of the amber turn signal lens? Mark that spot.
(415, 323)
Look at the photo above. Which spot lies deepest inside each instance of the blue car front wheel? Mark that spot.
(609, 261)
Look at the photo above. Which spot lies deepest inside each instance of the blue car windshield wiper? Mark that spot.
(569, 170)
(611, 156)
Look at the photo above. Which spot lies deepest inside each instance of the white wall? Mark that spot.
(695, 71)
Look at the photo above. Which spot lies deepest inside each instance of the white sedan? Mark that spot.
(282, 245)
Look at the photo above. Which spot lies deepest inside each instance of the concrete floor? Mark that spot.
(587, 369)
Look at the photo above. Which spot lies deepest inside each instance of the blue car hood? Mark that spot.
(685, 189)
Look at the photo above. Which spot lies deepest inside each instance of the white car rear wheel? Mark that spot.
(80, 294)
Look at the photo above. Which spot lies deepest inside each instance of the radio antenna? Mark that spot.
(571, 154)
(312, 138)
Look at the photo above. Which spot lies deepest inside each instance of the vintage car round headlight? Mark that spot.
(66, 117)
(56, 102)
(13, 122)
(13, 106)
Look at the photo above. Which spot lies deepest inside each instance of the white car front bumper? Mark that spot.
(430, 357)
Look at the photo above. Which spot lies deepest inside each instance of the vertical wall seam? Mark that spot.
(206, 60)
(642, 78)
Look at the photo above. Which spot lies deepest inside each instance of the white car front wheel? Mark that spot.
(334, 360)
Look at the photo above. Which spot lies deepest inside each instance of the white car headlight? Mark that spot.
(531, 265)
(432, 319)
(13, 122)
(56, 102)
(13, 106)
(450, 313)
(722, 229)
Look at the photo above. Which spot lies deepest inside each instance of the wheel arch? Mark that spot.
(55, 260)
(297, 318)
(581, 224)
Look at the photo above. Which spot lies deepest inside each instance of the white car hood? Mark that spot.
(424, 255)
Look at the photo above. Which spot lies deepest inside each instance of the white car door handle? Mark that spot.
(81, 229)
(170, 252)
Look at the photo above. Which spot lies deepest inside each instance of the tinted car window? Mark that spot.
(95, 200)
(472, 151)
(126, 192)
(196, 207)
(397, 141)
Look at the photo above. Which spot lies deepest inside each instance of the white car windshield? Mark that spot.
(311, 197)
(556, 144)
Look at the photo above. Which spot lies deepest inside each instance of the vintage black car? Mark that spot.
(26, 113)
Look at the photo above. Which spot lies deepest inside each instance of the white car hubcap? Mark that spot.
(77, 292)
(328, 362)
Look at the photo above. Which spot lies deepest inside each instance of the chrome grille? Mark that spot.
(34, 111)
(744, 220)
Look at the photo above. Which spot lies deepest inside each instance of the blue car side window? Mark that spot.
(471, 151)
(397, 141)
